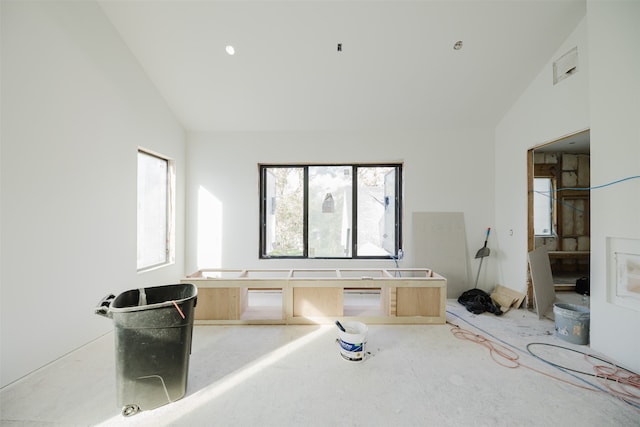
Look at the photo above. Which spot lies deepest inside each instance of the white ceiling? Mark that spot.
(578, 143)
(397, 70)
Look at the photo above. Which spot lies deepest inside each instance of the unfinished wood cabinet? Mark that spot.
(306, 296)
(218, 304)
(317, 301)
(417, 302)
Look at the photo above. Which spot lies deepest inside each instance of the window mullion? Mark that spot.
(354, 212)
(262, 250)
(168, 210)
(398, 210)
(305, 221)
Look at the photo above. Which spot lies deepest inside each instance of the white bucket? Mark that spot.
(572, 323)
(352, 342)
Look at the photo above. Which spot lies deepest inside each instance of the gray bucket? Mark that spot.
(572, 323)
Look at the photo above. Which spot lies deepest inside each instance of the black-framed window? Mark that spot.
(330, 210)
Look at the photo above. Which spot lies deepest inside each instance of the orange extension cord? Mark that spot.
(618, 382)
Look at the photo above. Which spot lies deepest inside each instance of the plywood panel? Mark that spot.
(320, 301)
(440, 243)
(388, 301)
(418, 301)
(218, 304)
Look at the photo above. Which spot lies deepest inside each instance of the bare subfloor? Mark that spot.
(420, 375)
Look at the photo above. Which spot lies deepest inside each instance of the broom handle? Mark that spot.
(478, 275)
(487, 238)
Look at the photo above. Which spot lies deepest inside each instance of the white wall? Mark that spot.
(543, 113)
(602, 96)
(615, 154)
(445, 171)
(75, 107)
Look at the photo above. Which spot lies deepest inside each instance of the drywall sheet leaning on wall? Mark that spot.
(440, 243)
(542, 278)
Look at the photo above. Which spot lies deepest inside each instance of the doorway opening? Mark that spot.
(558, 176)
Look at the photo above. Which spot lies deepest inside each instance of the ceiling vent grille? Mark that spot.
(565, 66)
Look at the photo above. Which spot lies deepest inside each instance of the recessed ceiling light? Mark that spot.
(230, 50)
(457, 45)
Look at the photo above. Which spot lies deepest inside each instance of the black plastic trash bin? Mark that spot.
(153, 329)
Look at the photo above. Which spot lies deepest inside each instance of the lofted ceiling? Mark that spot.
(397, 68)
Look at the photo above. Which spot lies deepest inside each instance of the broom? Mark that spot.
(482, 253)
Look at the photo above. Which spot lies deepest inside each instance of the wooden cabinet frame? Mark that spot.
(314, 296)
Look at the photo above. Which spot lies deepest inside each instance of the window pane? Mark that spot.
(330, 211)
(376, 211)
(152, 210)
(542, 206)
(284, 214)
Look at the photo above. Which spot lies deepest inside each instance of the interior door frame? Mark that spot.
(530, 230)
(530, 226)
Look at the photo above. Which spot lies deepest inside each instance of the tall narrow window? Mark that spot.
(376, 211)
(543, 206)
(330, 211)
(155, 210)
(283, 201)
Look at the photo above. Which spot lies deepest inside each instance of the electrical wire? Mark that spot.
(395, 260)
(562, 202)
(598, 186)
(508, 358)
(502, 355)
(548, 193)
(569, 349)
(625, 380)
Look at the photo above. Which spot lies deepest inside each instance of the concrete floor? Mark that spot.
(418, 375)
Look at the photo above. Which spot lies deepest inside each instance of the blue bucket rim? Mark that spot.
(573, 307)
